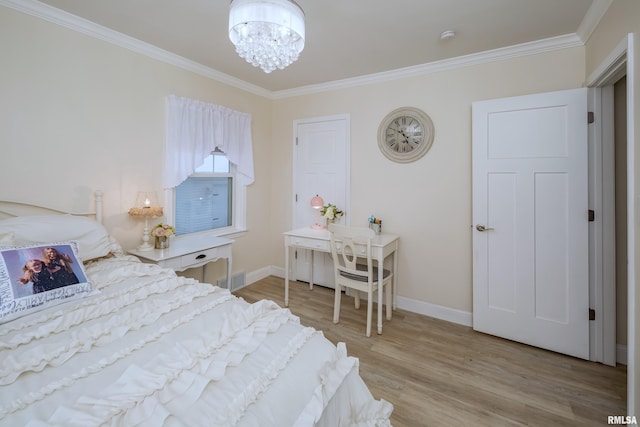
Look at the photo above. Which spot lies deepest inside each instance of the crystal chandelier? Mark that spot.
(267, 33)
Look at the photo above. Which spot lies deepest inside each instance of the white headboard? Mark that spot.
(10, 209)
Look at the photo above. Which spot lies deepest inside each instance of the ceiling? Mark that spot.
(345, 39)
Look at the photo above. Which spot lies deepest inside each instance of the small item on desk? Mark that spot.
(375, 224)
(331, 213)
(161, 233)
(317, 203)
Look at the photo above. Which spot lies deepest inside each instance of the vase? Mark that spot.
(162, 242)
(376, 227)
(330, 221)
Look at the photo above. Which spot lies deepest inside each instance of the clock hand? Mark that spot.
(406, 138)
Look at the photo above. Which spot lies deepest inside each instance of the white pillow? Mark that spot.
(7, 239)
(93, 239)
(32, 279)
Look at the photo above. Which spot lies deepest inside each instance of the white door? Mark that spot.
(321, 167)
(530, 220)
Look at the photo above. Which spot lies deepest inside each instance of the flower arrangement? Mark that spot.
(330, 211)
(374, 220)
(163, 230)
(375, 224)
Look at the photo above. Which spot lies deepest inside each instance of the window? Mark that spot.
(209, 200)
(191, 127)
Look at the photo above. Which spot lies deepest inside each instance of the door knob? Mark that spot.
(481, 227)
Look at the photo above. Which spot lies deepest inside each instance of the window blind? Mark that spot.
(203, 203)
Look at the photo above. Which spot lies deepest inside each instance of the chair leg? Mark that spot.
(388, 292)
(336, 304)
(379, 312)
(357, 298)
(369, 312)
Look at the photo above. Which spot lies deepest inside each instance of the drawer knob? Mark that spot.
(201, 256)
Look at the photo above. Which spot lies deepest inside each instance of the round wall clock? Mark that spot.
(405, 134)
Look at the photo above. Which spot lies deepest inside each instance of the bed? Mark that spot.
(133, 344)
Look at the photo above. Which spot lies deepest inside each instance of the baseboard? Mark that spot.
(259, 274)
(277, 271)
(437, 311)
(420, 307)
(460, 317)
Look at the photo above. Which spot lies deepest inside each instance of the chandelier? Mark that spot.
(267, 33)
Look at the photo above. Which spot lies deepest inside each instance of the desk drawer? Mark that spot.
(361, 250)
(199, 258)
(315, 244)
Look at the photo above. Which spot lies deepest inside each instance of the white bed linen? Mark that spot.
(157, 349)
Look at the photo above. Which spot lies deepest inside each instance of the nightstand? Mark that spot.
(190, 252)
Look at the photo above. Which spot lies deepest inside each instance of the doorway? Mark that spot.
(618, 64)
(608, 230)
(621, 201)
(320, 167)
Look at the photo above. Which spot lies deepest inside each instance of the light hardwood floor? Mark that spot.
(438, 373)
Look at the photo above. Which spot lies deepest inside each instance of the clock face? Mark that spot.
(405, 134)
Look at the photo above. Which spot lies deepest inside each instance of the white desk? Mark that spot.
(190, 252)
(318, 240)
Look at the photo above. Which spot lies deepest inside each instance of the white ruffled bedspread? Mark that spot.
(154, 349)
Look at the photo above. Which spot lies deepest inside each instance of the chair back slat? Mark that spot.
(345, 249)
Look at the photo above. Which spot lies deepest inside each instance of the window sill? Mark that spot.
(230, 233)
(233, 233)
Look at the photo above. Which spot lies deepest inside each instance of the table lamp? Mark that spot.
(317, 203)
(146, 207)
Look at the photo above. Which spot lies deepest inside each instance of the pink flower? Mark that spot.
(163, 230)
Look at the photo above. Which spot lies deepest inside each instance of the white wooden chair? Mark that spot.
(348, 244)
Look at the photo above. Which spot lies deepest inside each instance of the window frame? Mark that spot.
(238, 206)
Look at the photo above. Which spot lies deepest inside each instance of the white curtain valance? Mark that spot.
(195, 129)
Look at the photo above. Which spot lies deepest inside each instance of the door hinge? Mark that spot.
(296, 197)
(591, 117)
(592, 215)
(296, 140)
(295, 254)
(592, 314)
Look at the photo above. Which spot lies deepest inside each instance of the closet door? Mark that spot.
(320, 167)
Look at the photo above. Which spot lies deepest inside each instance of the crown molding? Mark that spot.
(84, 26)
(595, 13)
(524, 49)
(59, 17)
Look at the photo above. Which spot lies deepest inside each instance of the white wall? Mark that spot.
(78, 114)
(428, 202)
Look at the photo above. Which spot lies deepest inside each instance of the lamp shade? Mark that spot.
(317, 202)
(267, 33)
(146, 205)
